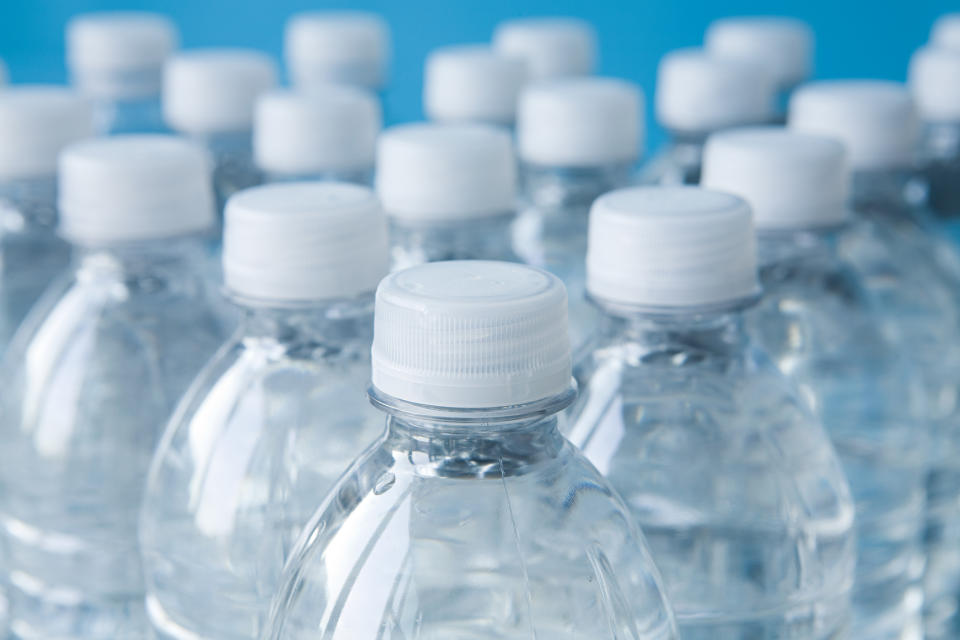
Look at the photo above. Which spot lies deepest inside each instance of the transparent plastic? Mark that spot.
(233, 166)
(940, 162)
(471, 525)
(732, 480)
(258, 440)
(680, 162)
(129, 115)
(821, 327)
(357, 176)
(413, 243)
(89, 383)
(31, 253)
(914, 274)
(550, 230)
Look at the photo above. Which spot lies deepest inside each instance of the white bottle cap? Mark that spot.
(580, 122)
(213, 90)
(875, 120)
(551, 47)
(471, 83)
(790, 180)
(36, 123)
(698, 93)
(935, 83)
(784, 46)
(671, 247)
(471, 335)
(946, 31)
(137, 187)
(435, 172)
(349, 47)
(304, 241)
(119, 54)
(328, 130)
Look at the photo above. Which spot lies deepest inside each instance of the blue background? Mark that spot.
(865, 39)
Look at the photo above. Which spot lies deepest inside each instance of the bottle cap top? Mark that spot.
(551, 47)
(471, 334)
(671, 248)
(472, 83)
(784, 46)
(346, 47)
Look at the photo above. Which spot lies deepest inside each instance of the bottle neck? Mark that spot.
(884, 193)
(356, 176)
(478, 238)
(227, 144)
(28, 203)
(686, 154)
(940, 141)
(146, 266)
(324, 326)
(778, 246)
(570, 188)
(474, 443)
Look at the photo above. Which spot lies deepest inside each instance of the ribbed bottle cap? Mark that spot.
(580, 122)
(935, 83)
(671, 247)
(946, 31)
(213, 90)
(304, 241)
(790, 180)
(472, 83)
(783, 46)
(875, 120)
(130, 188)
(434, 172)
(699, 93)
(119, 54)
(36, 123)
(349, 47)
(551, 47)
(471, 334)
(330, 129)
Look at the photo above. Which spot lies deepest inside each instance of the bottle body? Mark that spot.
(282, 409)
(821, 327)
(550, 231)
(734, 484)
(472, 529)
(940, 162)
(91, 381)
(31, 253)
(413, 243)
(680, 162)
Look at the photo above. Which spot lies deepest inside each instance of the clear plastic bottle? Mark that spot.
(449, 191)
(699, 93)
(35, 124)
(209, 95)
(282, 408)
(471, 517)
(731, 478)
(91, 379)
(328, 134)
(116, 59)
(783, 46)
(472, 83)
(576, 139)
(552, 47)
(819, 322)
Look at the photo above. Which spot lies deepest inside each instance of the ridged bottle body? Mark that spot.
(732, 480)
(31, 253)
(255, 444)
(89, 383)
(821, 326)
(468, 529)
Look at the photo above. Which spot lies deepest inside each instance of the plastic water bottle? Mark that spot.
(209, 95)
(472, 83)
(913, 274)
(342, 47)
(471, 517)
(946, 31)
(116, 59)
(818, 321)
(449, 192)
(698, 94)
(91, 379)
(576, 139)
(731, 478)
(935, 86)
(552, 47)
(282, 408)
(326, 135)
(782, 46)
(35, 124)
